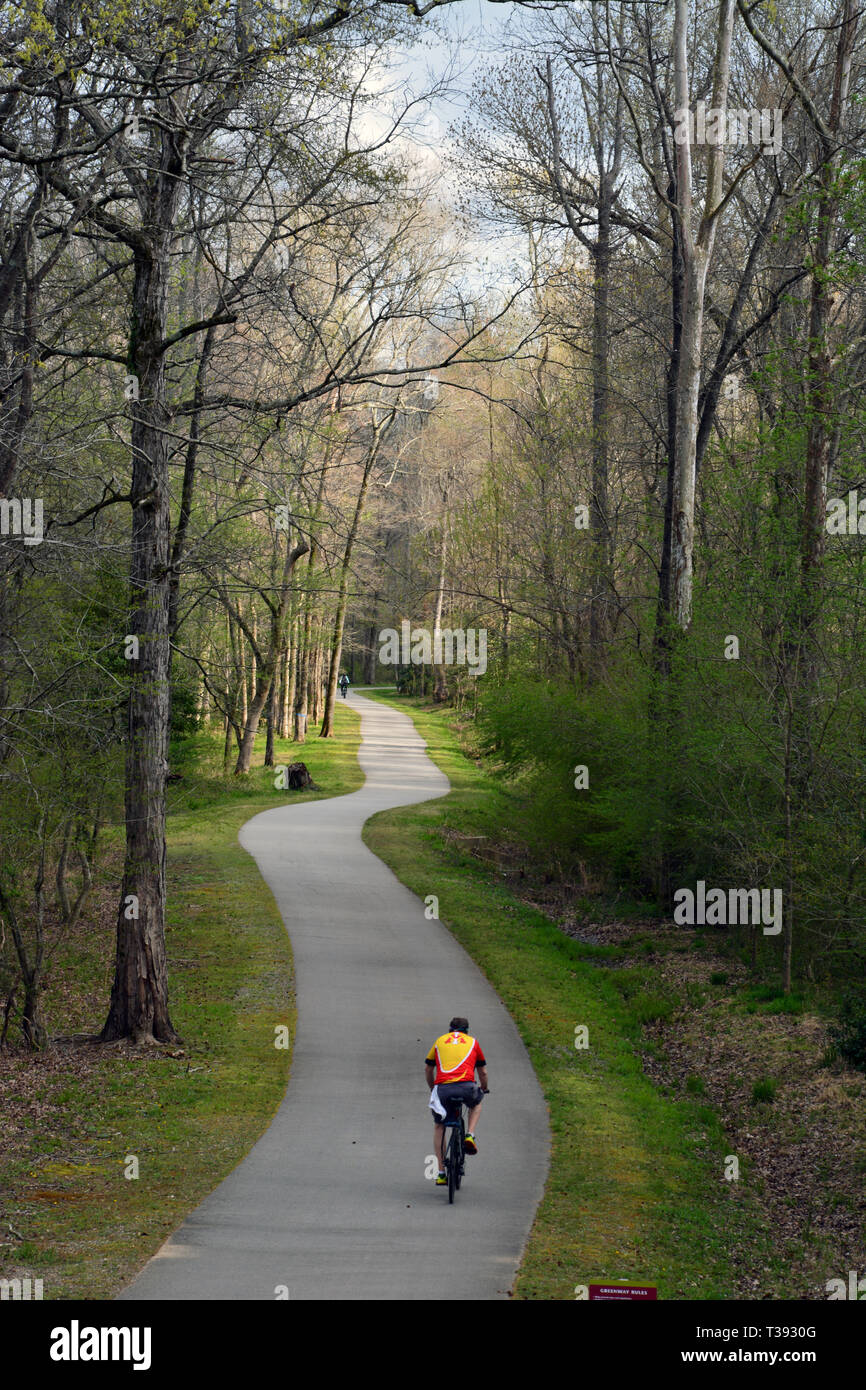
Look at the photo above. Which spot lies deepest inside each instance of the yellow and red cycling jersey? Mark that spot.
(455, 1056)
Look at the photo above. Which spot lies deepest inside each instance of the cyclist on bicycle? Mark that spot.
(450, 1070)
(343, 683)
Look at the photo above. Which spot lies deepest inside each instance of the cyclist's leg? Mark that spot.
(439, 1145)
(440, 1137)
(472, 1098)
(473, 1105)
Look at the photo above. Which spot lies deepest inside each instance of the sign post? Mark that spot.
(614, 1293)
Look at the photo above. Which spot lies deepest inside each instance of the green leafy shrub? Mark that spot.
(764, 1091)
(848, 1034)
(650, 1008)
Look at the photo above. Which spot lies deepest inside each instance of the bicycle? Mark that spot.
(455, 1152)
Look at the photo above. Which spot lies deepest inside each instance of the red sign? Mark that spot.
(605, 1293)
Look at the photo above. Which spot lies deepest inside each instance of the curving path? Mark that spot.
(332, 1202)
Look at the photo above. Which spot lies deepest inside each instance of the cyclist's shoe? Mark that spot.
(470, 1145)
(441, 1179)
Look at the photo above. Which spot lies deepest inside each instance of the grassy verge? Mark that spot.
(76, 1115)
(636, 1191)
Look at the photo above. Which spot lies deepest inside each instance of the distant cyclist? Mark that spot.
(343, 683)
(450, 1070)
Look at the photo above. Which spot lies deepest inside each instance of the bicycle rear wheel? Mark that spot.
(451, 1163)
(461, 1152)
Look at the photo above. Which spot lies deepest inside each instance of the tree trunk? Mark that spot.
(291, 680)
(254, 714)
(254, 678)
(242, 664)
(370, 646)
(599, 521)
(139, 995)
(440, 684)
(697, 253)
(178, 548)
(688, 384)
(266, 660)
(315, 696)
(820, 411)
(269, 741)
(302, 676)
(663, 632)
(30, 966)
(327, 729)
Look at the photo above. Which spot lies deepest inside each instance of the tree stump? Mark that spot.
(299, 777)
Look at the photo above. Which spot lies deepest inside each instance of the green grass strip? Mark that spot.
(636, 1191)
(188, 1118)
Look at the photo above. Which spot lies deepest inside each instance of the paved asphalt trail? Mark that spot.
(332, 1201)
